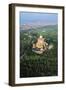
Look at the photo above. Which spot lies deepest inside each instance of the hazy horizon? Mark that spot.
(35, 18)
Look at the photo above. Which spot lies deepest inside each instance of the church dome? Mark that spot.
(40, 46)
(41, 36)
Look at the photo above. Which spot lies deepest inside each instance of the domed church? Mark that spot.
(40, 46)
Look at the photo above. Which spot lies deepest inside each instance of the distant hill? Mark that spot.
(28, 27)
(41, 28)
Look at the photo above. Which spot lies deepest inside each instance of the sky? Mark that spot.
(35, 17)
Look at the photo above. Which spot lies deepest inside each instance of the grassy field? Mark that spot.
(35, 65)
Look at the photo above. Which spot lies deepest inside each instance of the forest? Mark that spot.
(35, 65)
